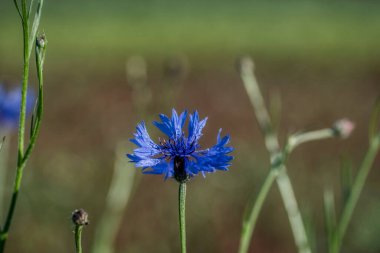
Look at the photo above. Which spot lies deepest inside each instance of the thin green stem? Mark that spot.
(314, 135)
(253, 212)
(24, 158)
(78, 238)
(24, 155)
(182, 218)
(21, 129)
(357, 188)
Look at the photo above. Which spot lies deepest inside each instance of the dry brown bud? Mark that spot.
(79, 217)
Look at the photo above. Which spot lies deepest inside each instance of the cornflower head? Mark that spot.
(10, 100)
(179, 156)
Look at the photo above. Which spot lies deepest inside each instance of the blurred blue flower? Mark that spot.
(179, 156)
(10, 101)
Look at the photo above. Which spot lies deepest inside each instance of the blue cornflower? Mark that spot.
(10, 100)
(179, 156)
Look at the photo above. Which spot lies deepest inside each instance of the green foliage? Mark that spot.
(310, 30)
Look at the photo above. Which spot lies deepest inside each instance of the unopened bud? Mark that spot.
(79, 217)
(343, 128)
(41, 41)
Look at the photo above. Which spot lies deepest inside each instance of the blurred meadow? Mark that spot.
(319, 59)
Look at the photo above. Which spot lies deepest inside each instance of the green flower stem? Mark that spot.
(251, 216)
(355, 192)
(21, 129)
(182, 218)
(23, 156)
(314, 135)
(78, 238)
(273, 147)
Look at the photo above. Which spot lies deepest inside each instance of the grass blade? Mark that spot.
(36, 23)
(357, 188)
(330, 217)
(346, 180)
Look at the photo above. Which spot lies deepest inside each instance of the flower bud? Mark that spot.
(79, 217)
(343, 128)
(41, 41)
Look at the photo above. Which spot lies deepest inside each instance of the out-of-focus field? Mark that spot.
(322, 57)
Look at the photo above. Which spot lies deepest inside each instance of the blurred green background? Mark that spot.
(322, 57)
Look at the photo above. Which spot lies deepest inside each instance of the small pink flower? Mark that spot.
(344, 128)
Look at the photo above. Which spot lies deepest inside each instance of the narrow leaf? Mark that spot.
(40, 56)
(311, 230)
(330, 216)
(36, 23)
(18, 9)
(346, 180)
(30, 7)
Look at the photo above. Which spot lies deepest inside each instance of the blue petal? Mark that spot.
(215, 158)
(172, 127)
(133, 158)
(146, 153)
(180, 123)
(142, 138)
(177, 123)
(195, 128)
(165, 128)
(147, 163)
(163, 168)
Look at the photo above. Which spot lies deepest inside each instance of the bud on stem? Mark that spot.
(79, 218)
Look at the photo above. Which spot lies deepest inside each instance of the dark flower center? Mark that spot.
(179, 170)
